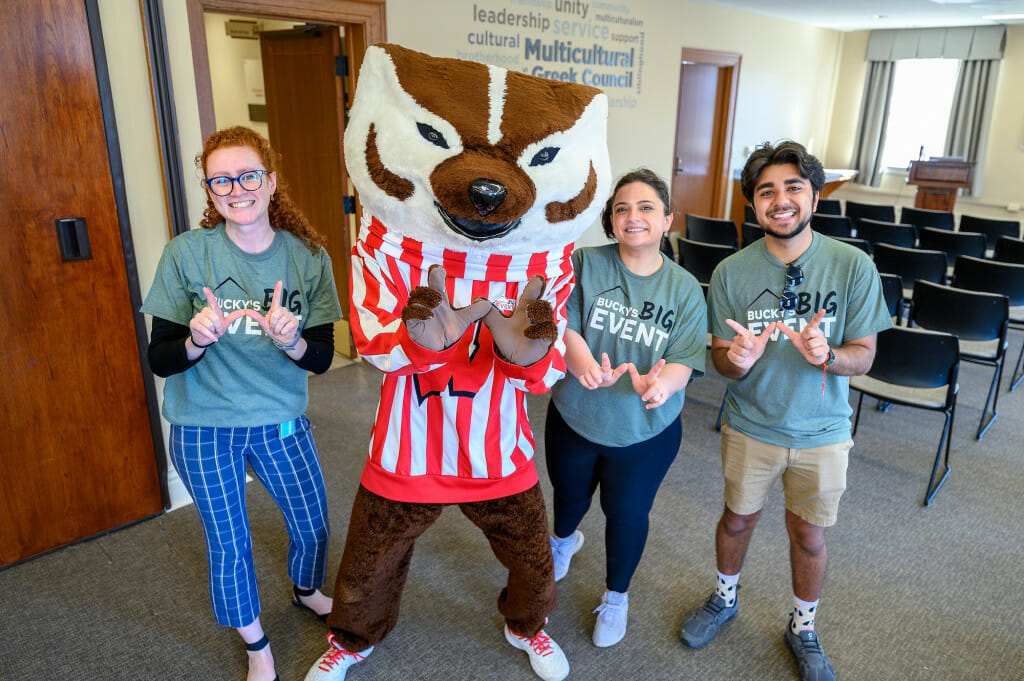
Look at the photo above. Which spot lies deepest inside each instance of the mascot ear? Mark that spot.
(476, 158)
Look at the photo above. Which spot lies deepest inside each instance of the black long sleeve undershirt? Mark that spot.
(167, 354)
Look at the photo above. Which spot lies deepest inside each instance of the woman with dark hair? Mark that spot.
(637, 310)
(243, 309)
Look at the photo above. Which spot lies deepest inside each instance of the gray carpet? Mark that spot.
(912, 593)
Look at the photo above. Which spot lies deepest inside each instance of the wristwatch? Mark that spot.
(830, 360)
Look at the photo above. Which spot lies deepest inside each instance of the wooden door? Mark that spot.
(707, 93)
(77, 455)
(306, 122)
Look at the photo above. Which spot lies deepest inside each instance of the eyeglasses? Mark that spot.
(794, 277)
(250, 181)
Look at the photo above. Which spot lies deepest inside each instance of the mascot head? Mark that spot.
(473, 157)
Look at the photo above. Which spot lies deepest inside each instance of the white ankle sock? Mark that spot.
(726, 588)
(803, 615)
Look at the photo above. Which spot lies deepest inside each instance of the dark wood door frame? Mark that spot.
(729, 66)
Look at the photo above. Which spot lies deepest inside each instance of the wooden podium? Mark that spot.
(937, 181)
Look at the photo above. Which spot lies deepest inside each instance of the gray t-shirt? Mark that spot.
(242, 380)
(780, 400)
(638, 319)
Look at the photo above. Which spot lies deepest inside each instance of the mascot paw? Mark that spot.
(525, 337)
(429, 317)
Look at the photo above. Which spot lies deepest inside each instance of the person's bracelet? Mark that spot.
(290, 346)
(193, 339)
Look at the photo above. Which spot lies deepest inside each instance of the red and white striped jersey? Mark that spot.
(451, 426)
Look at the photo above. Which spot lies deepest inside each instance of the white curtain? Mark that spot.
(874, 118)
(971, 114)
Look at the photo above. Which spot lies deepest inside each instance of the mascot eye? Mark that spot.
(544, 156)
(432, 136)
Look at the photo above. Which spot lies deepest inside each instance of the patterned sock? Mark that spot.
(726, 588)
(803, 615)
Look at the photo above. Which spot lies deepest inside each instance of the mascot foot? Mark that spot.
(333, 664)
(546, 658)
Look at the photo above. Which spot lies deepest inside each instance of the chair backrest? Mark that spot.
(832, 225)
(1009, 249)
(953, 243)
(911, 263)
(892, 291)
(862, 244)
(917, 358)
(979, 274)
(924, 217)
(751, 232)
(711, 230)
(875, 211)
(878, 231)
(969, 315)
(667, 248)
(991, 228)
(748, 214)
(700, 259)
(829, 207)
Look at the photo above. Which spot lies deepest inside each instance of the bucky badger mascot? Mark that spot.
(475, 182)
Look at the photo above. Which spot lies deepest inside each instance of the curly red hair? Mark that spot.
(282, 212)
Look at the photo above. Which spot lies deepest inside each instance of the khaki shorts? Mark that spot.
(813, 479)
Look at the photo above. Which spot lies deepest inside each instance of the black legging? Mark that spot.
(629, 478)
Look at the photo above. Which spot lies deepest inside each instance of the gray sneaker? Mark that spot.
(813, 663)
(562, 551)
(701, 625)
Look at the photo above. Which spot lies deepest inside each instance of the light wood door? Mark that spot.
(707, 93)
(306, 121)
(77, 455)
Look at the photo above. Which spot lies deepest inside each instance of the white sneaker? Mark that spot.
(546, 658)
(562, 551)
(611, 619)
(333, 664)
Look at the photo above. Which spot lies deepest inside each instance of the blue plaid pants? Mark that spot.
(211, 463)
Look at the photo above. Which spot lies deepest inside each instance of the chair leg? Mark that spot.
(721, 410)
(1018, 374)
(947, 438)
(856, 418)
(988, 418)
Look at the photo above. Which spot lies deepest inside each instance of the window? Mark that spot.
(922, 96)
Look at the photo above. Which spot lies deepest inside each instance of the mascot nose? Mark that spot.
(486, 195)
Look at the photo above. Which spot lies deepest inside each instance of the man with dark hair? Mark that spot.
(792, 316)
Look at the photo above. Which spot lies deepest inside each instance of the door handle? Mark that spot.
(73, 237)
(679, 165)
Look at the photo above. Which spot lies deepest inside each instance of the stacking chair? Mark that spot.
(829, 207)
(750, 232)
(915, 368)
(748, 214)
(911, 264)
(832, 225)
(924, 217)
(862, 244)
(978, 274)
(991, 228)
(892, 291)
(878, 231)
(979, 320)
(1009, 249)
(668, 249)
(700, 259)
(953, 243)
(874, 211)
(711, 230)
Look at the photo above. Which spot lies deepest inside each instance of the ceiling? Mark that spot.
(855, 15)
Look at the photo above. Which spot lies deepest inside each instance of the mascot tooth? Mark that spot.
(475, 183)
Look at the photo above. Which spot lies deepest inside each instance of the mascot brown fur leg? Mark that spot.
(374, 566)
(517, 529)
